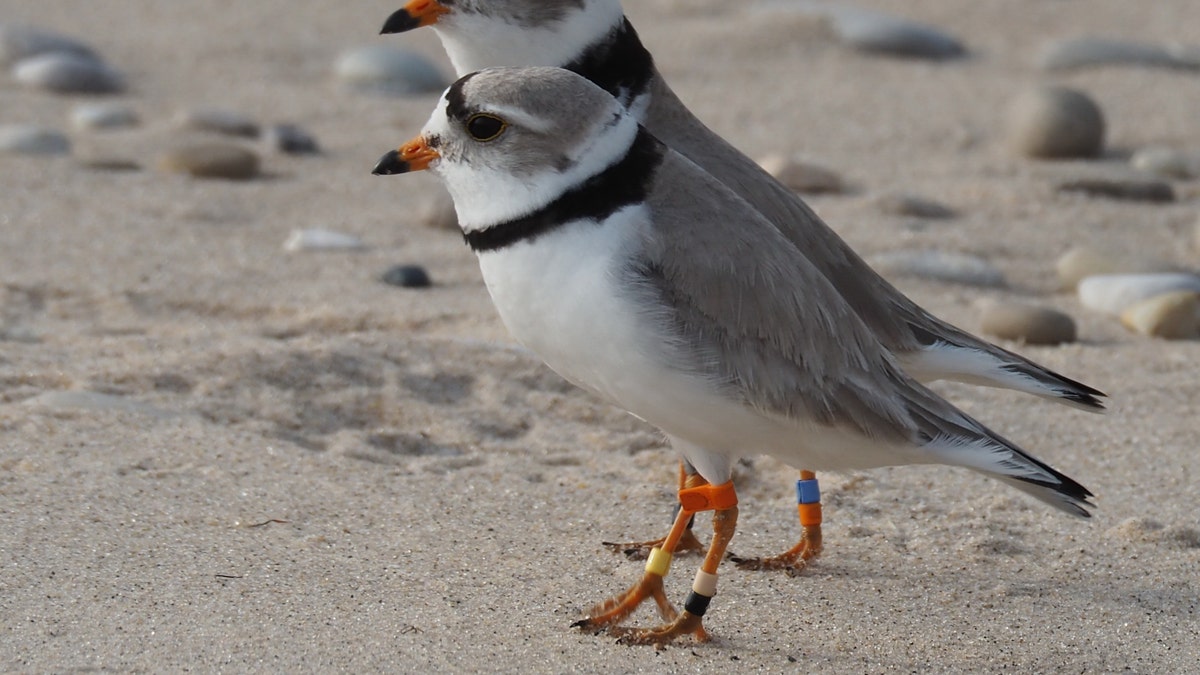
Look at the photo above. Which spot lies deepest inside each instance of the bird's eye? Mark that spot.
(484, 127)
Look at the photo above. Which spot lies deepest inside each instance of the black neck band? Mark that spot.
(618, 63)
(623, 183)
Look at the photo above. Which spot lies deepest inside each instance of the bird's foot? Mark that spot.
(640, 550)
(793, 561)
(613, 611)
(685, 624)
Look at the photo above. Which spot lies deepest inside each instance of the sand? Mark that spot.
(218, 456)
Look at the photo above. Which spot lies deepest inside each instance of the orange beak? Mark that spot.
(415, 14)
(415, 155)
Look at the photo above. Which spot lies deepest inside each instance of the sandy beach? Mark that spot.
(218, 455)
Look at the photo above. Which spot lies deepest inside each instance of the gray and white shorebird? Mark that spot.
(639, 277)
(594, 39)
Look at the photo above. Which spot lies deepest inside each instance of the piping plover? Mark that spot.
(638, 276)
(593, 38)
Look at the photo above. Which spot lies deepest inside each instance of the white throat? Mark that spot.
(474, 41)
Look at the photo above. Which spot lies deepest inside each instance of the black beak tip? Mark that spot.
(399, 22)
(391, 165)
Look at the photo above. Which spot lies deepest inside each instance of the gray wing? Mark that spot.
(755, 314)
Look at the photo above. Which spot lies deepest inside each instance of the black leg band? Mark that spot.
(697, 604)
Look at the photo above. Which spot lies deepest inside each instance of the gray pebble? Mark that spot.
(21, 42)
(290, 140)
(407, 276)
(211, 160)
(389, 70)
(103, 116)
(68, 73)
(1081, 262)
(876, 32)
(1127, 189)
(939, 266)
(1053, 122)
(801, 176)
(1167, 163)
(217, 121)
(903, 204)
(1088, 52)
(113, 164)
(21, 139)
(1027, 323)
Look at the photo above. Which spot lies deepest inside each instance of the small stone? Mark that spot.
(875, 32)
(407, 276)
(103, 116)
(114, 164)
(939, 266)
(1112, 294)
(21, 42)
(1082, 261)
(217, 121)
(212, 160)
(389, 70)
(317, 239)
(902, 204)
(1027, 323)
(1056, 123)
(21, 139)
(800, 176)
(91, 401)
(68, 73)
(438, 211)
(1171, 316)
(1167, 163)
(1126, 189)
(1094, 52)
(290, 140)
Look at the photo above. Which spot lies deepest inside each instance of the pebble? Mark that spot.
(211, 160)
(903, 204)
(801, 176)
(1027, 323)
(1131, 188)
(19, 42)
(1171, 316)
(1167, 163)
(407, 276)
(876, 32)
(1081, 262)
(217, 121)
(322, 240)
(1053, 122)
(1114, 293)
(438, 211)
(68, 73)
(1089, 52)
(91, 401)
(389, 70)
(21, 139)
(940, 266)
(110, 164)
(290, 140)
(103, 116)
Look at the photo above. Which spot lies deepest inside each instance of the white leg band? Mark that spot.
(705, 583)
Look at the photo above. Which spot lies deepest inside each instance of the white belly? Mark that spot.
(559, 296)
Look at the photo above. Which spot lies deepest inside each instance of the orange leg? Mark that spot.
(697, 496)
(808, 494)
(640, 550)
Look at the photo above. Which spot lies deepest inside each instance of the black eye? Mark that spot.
(484, 127)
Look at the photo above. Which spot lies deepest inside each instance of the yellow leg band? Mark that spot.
(659, 562)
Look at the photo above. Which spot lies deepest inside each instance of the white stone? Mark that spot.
(1114, 293)
(389, 70)
(322, 240)
(940, 266)
(68, 73)
(103, 116)
(1171, 316)
(21, 42)
(22, 139)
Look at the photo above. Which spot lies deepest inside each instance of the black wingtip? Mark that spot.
(399, 22)
(391, 165)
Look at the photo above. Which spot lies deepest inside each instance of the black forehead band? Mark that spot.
(456, 102)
